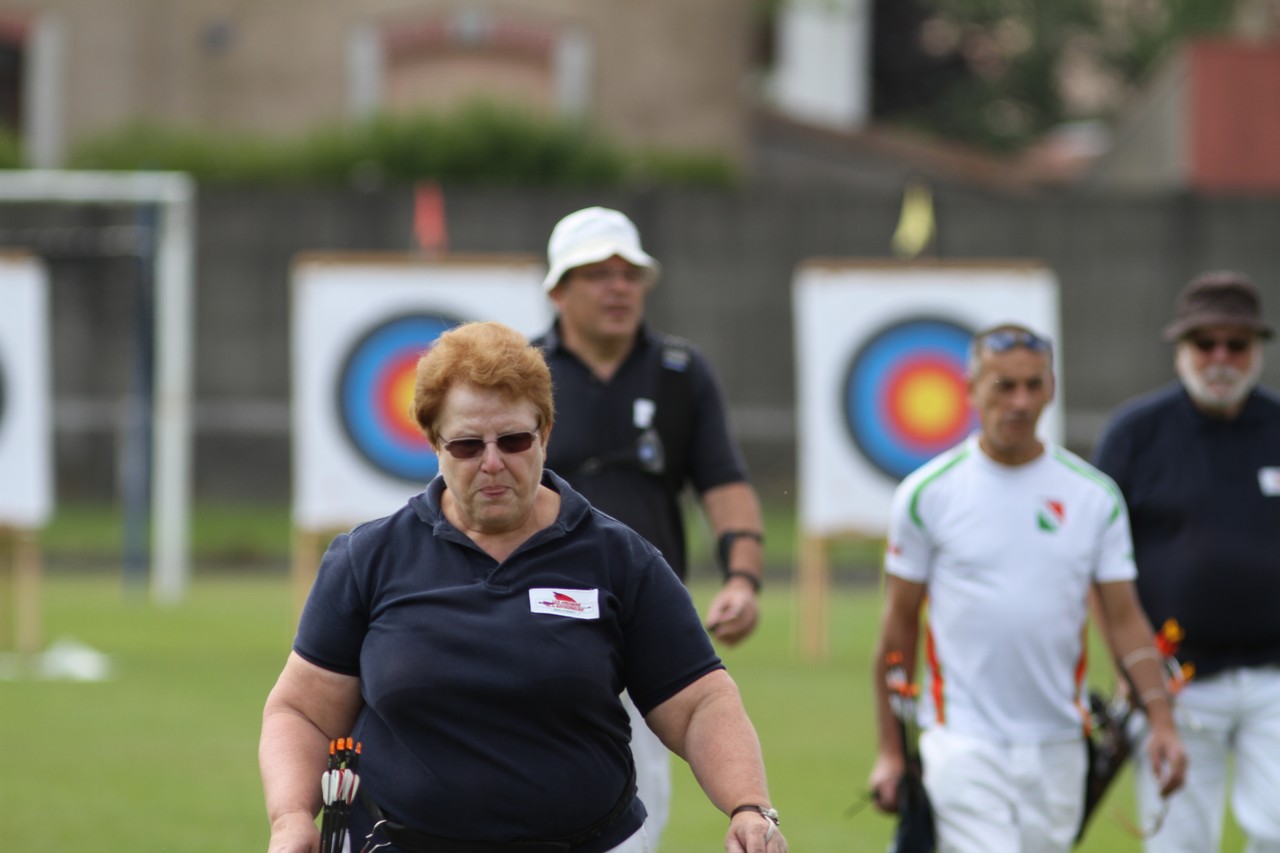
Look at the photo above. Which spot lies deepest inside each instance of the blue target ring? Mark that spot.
(905, 396)
(375, 392)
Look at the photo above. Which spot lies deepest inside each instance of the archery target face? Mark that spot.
(881, 354)
(26, 423)
(905, 394)
(375, 396)
(359, 324)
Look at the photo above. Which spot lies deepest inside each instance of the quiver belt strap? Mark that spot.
(414, 841)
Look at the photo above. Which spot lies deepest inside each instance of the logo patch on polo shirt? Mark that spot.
(573, 603)
(1269, 481)
(1051, 515)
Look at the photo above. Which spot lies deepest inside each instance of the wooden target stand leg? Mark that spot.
(308, 547)
(20, 562)
(813, 583)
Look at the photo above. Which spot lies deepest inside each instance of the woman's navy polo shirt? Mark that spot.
(491, 691)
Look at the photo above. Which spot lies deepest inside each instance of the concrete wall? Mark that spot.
(728, 260)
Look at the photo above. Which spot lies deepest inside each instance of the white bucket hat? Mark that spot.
(591, 235)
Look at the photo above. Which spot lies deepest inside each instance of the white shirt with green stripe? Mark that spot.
(1007, 554)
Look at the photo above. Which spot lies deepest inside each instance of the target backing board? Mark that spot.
(26, 427)
(880, 359)
(359, 324)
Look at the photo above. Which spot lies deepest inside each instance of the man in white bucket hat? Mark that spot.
(639, 417)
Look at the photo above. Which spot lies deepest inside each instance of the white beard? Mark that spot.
(1217, 388)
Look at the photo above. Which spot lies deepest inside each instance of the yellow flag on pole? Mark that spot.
(915, 222)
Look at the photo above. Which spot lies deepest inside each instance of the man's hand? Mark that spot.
(1168, 760)
(734, 612)
(886, 775)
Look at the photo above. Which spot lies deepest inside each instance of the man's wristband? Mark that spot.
(750, 577)
(725, 545)
(1139, 654)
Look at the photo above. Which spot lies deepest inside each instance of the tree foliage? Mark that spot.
(1002, 72)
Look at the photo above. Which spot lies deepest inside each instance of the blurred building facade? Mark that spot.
(680, 73)
(664, 72)
(1208, 122)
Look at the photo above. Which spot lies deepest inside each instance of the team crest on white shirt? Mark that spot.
(1051, 515)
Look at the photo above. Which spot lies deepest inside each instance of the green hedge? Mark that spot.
(10, 150)
(480, 143)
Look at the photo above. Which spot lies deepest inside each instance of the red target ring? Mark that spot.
(375, 394)
(905, 394)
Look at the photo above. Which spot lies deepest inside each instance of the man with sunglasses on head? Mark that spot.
(640, 417)
(1199, 465)
(1006, 535)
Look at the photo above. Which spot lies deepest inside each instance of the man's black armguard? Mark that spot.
(726, 544)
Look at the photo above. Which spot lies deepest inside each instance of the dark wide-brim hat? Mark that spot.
(1218, 299)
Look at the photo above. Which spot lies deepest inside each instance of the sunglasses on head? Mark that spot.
(1006, 339)
(1206, 345)
(470, 448)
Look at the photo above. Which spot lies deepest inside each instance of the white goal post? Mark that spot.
(174, 195)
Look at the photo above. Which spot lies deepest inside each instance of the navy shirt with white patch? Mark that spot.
(492, 713)
(1204, 504)
(596, 419)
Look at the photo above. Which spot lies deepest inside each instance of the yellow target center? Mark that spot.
(929, 403)
(401, 391)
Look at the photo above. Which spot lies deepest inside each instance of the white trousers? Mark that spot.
(1003, 798)
(637, 842)
(1230, 727)
(653, 774)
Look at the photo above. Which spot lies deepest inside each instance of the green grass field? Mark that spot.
(162, 756)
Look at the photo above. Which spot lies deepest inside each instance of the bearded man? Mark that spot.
(1198, 463)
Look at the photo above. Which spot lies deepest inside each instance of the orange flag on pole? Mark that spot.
(429, 227)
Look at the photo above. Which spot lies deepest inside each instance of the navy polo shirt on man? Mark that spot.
(491, 690)
(598, 420)
(1204, 504)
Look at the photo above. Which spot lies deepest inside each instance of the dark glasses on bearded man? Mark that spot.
(1006, 339)
(1206, 344)
(470, 448)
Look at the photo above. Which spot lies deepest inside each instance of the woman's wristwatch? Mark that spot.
(771, 814)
